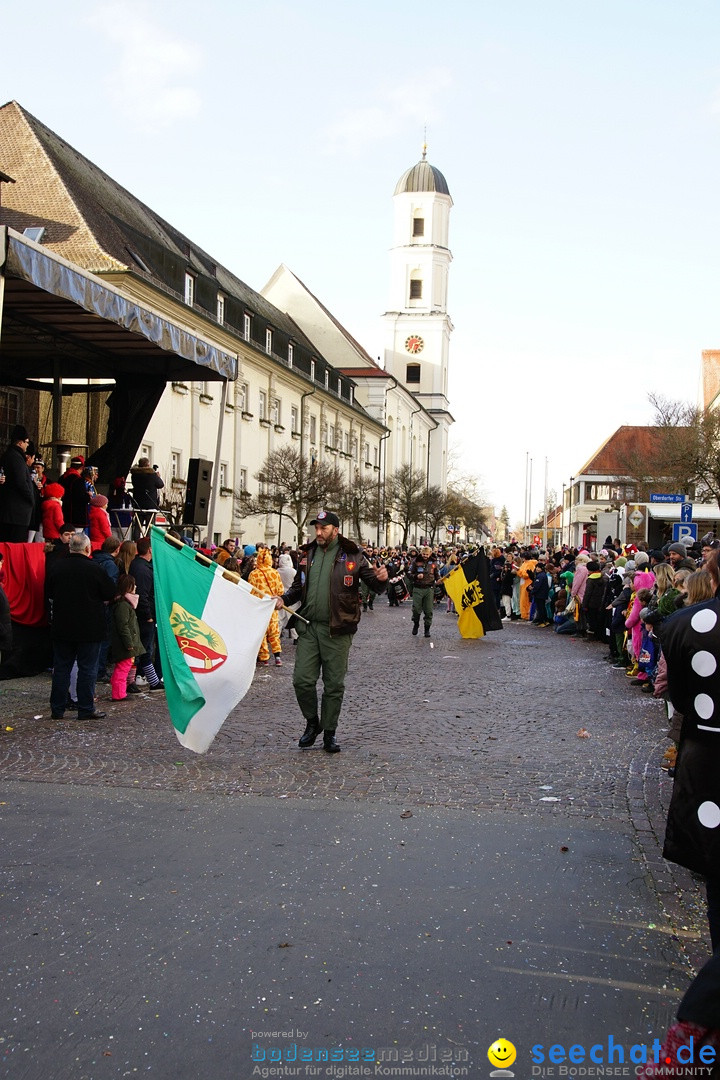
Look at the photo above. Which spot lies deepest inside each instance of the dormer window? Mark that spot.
(268, 341)
(189, 289)
(247, 325)
(291, 354)
(220, 308)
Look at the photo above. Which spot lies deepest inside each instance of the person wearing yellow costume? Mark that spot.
(266, 579)
(525, 572)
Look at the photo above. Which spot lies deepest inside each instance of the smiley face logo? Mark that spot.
(501, 1054)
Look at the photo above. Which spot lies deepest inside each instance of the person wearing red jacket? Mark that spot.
(98, 521)
(52, 511)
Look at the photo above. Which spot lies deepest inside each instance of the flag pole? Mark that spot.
(229, 574)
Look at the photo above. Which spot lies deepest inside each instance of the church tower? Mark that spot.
(417, 326)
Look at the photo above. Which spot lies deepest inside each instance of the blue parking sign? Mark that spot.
(683, 529)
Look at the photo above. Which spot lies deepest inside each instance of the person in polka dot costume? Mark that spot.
(691, 645)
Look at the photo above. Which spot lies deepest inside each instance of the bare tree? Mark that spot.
(690, 447)
(360, 502)
(405, 498)
(294, 486)
(435, 510)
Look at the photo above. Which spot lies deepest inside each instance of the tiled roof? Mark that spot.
(373, 372)
(626, 445)
(94, 222)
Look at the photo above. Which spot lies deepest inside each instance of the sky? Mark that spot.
(579, 139)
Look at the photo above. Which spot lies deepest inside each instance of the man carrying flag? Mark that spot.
(470, 590)
(209, 631)
(327, 584)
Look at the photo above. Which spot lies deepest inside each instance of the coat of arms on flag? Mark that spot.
(470, 591)
(209, 632)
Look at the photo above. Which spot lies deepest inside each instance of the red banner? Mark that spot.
(25, 582)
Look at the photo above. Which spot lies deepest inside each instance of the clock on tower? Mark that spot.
(414, 344)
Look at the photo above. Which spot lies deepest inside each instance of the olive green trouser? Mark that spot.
(422, 603)
(318, 652)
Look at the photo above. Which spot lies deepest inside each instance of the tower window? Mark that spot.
(416, 289)
(412, 373)
(418, 226)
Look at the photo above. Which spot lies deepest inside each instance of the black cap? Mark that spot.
(326, 517)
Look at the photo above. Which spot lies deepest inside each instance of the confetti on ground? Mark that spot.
(583, 733)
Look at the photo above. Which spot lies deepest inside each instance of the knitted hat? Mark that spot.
(642, 559)
(249, 549)
(679, 549)
(54, 491)
(99, 500)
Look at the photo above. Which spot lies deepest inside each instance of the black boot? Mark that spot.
(329, 744)
(416, 626)
(427, 629)
(310, 733)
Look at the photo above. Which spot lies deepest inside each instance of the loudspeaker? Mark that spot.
(197, 492)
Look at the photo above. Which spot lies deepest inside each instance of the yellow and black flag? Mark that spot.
(469, 589)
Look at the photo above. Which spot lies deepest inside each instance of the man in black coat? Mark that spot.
(78, 590)
(17, 490)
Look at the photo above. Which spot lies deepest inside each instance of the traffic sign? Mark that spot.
(681, 530)
(686, 512)
(668, 498)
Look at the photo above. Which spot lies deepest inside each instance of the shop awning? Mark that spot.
(671, 511)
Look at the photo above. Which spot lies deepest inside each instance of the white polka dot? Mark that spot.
(704, 663)
(704, 620)
(704, 706)
(709, 815)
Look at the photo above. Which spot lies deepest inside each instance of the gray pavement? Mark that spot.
(419, 893)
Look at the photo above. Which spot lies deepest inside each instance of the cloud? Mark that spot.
(411, 104)
(150, 80)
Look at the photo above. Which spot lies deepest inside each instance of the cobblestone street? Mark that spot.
(473, 725)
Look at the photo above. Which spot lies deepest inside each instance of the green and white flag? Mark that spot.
(209, 631)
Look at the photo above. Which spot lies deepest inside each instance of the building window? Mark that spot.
(220, 309)
(291, 354)
(276, 411)
(312, 370)
(189, 289)
(175, 465)
(10, 410)
(223, 475)
(243, 479)
(355, 449)
(375, 456)
(268, 341)
(241, 396)
(294, 418)
(331, 435)
(247, 326)
(412, 373)
(327, 379)
(346, 442)
(313, 430)
(262, 405)
(416, 289)
(146, 450)
(367, 452)
(351, 394)
(418, 226)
